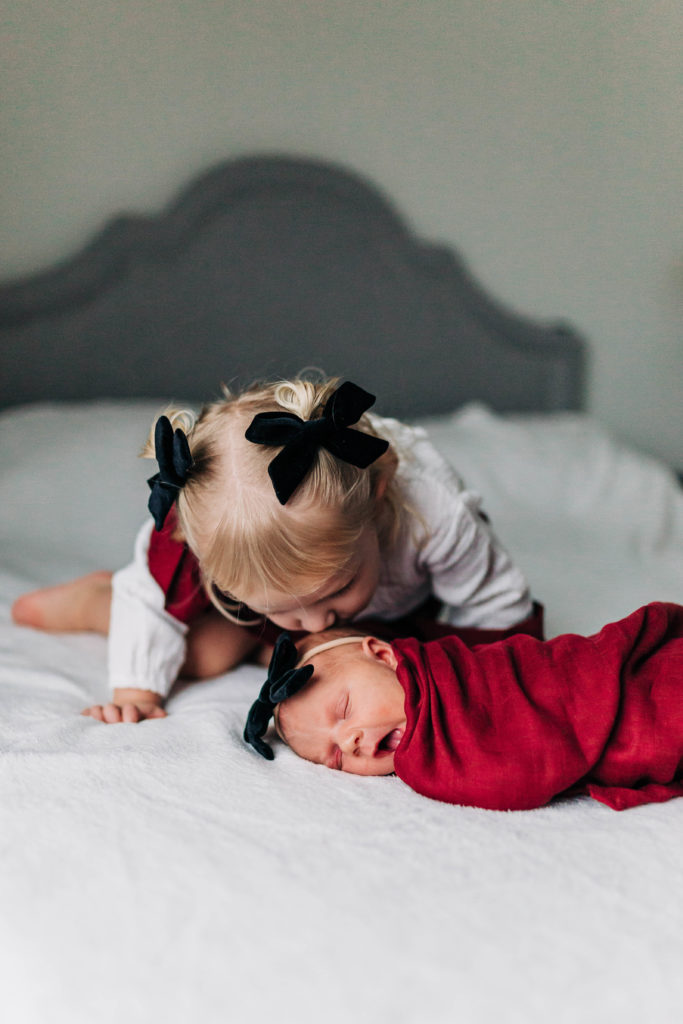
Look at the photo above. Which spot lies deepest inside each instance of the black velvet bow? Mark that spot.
(283, 681)
(303, 438)
(175, 462)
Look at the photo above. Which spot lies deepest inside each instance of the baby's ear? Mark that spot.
(380, 650)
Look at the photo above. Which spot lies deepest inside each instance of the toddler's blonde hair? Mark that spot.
(229, 515)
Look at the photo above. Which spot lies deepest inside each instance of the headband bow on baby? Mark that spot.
(303, 438)
(175, 462)
(284, 680)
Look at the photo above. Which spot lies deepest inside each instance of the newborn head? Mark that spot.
(350, 716)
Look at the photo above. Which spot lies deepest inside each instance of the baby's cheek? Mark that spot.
(350, 609)
(283, 621)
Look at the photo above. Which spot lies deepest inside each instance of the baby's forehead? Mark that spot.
(314, 696)
(302, 707)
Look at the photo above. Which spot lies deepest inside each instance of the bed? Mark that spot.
(163, 871)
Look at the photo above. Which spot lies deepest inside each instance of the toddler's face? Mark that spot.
(339, 599)
(351, 715)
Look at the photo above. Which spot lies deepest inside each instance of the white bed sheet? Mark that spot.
(164, 872)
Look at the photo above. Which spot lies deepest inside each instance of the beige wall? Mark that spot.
(540, 137)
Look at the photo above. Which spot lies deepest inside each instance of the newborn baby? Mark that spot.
(506, 726)
(352, 715)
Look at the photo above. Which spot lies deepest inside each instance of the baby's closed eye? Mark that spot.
(342, 707)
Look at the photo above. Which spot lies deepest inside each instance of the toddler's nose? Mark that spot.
(315, 620)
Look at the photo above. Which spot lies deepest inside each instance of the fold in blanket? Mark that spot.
(510, 725)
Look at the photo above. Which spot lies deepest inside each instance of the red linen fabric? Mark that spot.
(510, 725)
(176, 570)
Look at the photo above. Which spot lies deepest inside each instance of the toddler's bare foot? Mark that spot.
(82, 605)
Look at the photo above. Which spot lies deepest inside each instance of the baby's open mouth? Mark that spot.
(389, 743)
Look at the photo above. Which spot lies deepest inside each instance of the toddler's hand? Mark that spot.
(128, 706)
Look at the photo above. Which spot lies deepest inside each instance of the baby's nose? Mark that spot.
(351, 740)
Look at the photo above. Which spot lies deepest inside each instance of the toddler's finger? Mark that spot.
(94, 712)
(111, 713)
(130, 713)
(157, 713)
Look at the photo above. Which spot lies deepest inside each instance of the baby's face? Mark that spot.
(351, 715)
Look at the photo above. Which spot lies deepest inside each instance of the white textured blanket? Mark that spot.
(163, 872)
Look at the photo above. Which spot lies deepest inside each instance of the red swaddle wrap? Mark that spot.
(510, 725)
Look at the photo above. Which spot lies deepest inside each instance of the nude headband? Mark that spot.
(327, 646)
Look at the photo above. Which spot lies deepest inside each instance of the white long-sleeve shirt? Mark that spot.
(445, 549)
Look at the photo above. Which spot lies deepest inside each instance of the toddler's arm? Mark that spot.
(147, 646)
(473, 574)
(469, 568)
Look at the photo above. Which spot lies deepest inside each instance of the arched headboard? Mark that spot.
(261, 267)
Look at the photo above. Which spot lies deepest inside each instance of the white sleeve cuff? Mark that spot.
(146, 644)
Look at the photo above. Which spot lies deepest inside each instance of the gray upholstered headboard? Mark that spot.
(262, 267)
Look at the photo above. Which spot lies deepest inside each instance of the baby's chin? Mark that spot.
(386, 767)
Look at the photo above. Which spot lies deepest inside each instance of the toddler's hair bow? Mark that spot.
(284, 680)
(175, 462)
(303, 438)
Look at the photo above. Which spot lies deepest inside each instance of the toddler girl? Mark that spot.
(505, 726)
(287, 504)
